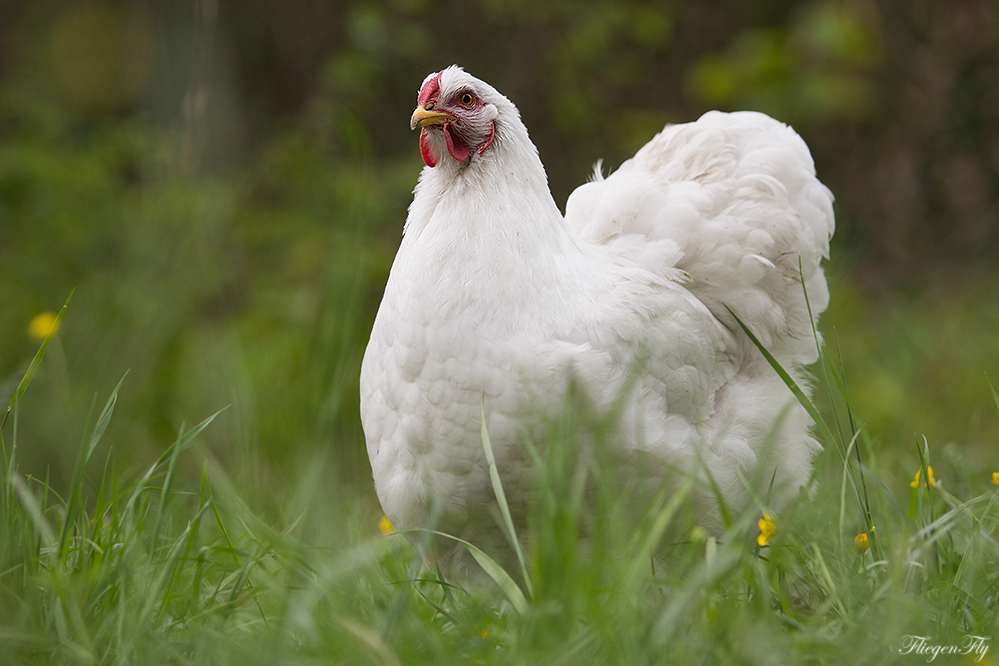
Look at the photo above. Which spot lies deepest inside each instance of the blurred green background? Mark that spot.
(224, 185)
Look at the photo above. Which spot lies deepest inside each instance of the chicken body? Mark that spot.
(496, 302)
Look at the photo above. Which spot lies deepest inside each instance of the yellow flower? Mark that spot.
(767, 530)
(484, 634)
(385, 526)
(929, 472)
(41, 325)
(698, 534)
(995, 478)
(861, 542)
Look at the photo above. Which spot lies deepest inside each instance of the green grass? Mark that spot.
(153, 565)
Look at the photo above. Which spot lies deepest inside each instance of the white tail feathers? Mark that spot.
(732, 201)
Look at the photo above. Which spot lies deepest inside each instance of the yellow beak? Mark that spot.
(423, 117)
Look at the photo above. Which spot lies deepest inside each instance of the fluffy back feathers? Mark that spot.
(732, 201)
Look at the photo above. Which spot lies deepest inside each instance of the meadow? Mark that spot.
(219, 197)
(194, 558)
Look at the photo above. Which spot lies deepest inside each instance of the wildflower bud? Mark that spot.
(767, 530)
(385, 526)
(41, 325)
(929, 475)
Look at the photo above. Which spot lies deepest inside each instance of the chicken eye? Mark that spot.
(467, 99)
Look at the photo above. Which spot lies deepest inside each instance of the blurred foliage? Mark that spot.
(225, 185)
(818, 68)
(918, 362)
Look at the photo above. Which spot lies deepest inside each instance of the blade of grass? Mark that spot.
(74, 487)
(499, 575)
(511, 533)
(830, 584)
(791, 384)
(182, 443)
(818, 348)
(154, 596)
(165, 491)
(842, 490)
(86, 449)
(232, 547)
(924, 465)
(850, 408)
(643, 544)
(800, 395)
(995, 396)
(33, 509)
(726, 515)
(33, 366)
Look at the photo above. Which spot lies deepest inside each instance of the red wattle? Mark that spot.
(428, 157)
(455, 147)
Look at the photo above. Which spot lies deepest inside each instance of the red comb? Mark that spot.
(430, 88)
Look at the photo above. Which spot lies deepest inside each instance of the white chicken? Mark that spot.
(496, 301)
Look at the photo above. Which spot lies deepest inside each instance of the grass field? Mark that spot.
(202, 557)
